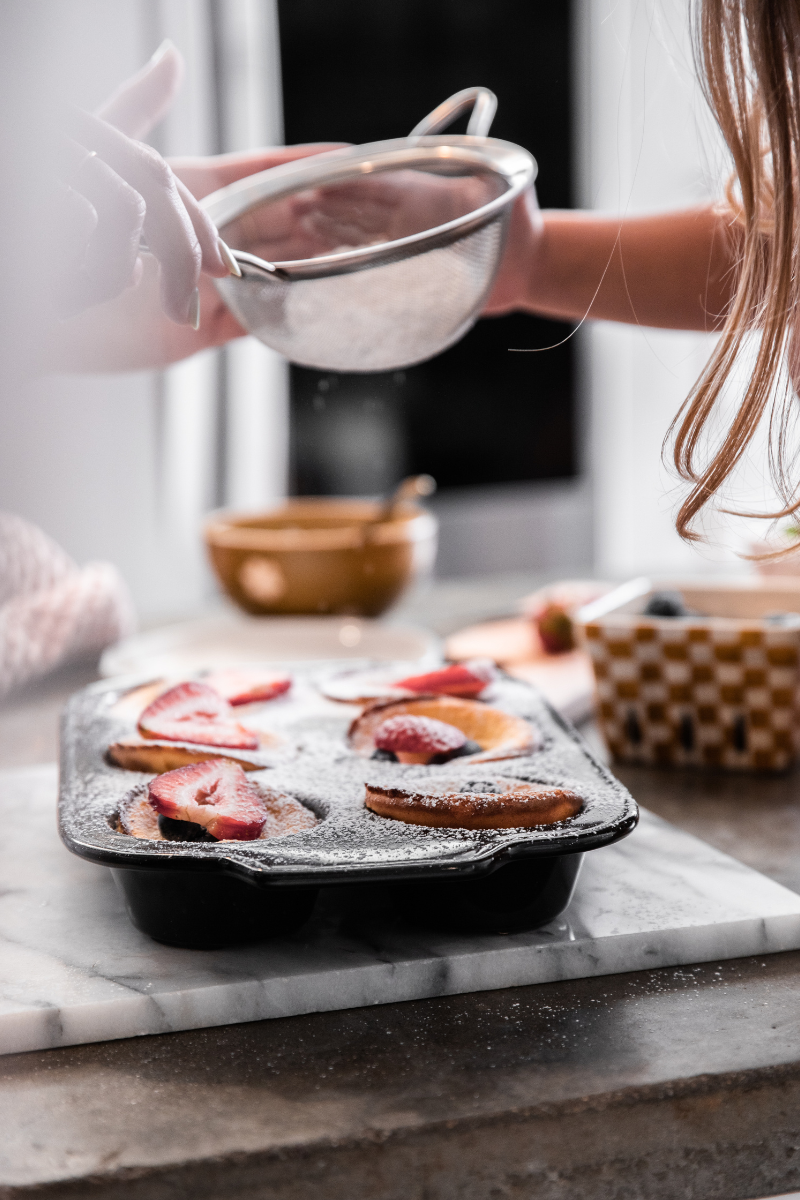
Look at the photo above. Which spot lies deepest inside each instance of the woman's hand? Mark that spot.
(116, 190)
(365, 211)
(131, 333)
(512, 289)
(385, 207)
(674, 270)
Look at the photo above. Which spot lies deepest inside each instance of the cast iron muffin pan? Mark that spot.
(208, 894)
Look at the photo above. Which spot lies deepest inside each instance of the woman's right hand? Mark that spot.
(511, 291)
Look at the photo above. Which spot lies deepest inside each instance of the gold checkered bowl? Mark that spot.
(718, 690)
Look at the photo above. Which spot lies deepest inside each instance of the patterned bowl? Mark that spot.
(717, 690)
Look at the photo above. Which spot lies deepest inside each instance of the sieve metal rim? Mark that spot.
(514, 164)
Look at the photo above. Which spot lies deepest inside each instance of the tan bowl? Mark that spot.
(320, 556)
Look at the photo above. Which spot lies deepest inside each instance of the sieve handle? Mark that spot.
(482, 102)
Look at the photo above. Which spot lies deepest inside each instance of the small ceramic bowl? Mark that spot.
(320, 555)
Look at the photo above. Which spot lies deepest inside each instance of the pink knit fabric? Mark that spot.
(51, 610)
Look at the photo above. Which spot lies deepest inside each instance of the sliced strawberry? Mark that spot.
(461, 679)
(194, 712)
(418, 739)
(246, 685)
(215, 794)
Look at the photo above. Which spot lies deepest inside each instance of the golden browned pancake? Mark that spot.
(499, 734)
(285, 815)
(136, 754)
(502, 803)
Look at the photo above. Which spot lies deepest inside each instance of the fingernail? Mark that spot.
(229, 260)
(163, 49)
(193, 315)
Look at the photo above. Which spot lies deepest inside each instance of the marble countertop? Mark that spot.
(655, 1083)
(74, 969)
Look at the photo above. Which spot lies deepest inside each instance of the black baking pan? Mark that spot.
(209, 894)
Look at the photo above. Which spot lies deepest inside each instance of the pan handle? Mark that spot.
(482, 102)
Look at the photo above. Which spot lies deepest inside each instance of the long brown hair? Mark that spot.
(748, 52)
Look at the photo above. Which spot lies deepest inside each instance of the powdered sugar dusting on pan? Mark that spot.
(328, 778)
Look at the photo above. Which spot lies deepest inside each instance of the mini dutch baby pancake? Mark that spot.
(211, 801)
(136, 754)
(495, 734)
(500, 803)
(191, 722)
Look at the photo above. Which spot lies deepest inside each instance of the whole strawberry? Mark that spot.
(418, 739)
(554, 626)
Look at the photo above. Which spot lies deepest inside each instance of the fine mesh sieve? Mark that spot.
(373, 257)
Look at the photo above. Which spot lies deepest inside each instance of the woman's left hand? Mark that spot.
(116, 190)
(115, 301)
(130, 332)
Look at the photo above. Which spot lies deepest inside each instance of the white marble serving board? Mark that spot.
(73, 969)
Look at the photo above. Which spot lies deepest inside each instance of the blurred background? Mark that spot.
(547, 460)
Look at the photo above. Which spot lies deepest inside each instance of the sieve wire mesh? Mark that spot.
(385, 316)
(380, 319)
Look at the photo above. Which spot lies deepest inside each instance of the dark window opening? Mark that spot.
(477, 414)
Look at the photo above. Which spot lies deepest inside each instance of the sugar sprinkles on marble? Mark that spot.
(74, 969)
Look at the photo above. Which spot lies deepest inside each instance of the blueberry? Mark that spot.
(183, 831)
(666, 604)
(469, 747)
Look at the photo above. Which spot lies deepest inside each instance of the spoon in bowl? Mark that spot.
(408, 489)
